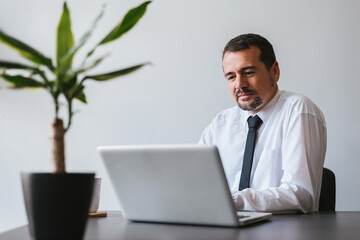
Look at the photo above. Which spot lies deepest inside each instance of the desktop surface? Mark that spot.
(332, 225)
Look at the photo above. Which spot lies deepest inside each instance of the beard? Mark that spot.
(252, 105)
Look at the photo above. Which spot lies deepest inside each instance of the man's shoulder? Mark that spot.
(293, 98)
(229, 111)
(298, 103)
(229, 114)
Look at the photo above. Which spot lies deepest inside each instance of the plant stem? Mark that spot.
(70, 114)
(58, 146)
(56, 103)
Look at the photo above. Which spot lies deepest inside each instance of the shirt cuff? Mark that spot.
(238, 201)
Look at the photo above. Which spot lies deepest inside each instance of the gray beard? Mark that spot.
(254, 105)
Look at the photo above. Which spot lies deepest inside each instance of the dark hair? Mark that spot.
(244, 41)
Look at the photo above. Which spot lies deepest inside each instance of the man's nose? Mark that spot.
(240, 82)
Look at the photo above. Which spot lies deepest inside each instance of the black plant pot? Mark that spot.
(57, 205)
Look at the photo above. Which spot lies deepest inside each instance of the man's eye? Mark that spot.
(249, 74)
(231, 78)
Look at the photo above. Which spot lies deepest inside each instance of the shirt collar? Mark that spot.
(264, 113)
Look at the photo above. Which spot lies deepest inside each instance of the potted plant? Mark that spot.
(57, 203)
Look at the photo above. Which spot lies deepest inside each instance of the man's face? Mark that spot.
(250, 83)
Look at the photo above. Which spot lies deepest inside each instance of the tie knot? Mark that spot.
(254, 122)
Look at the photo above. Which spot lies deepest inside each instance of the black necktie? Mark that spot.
(254, 123)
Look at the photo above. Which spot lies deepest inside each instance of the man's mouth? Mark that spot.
(243, 94)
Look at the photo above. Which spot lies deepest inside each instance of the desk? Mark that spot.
(339, 225)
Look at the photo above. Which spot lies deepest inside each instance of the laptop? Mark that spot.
(181, 183)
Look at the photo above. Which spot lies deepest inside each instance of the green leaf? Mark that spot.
(83, 39)
(129, 21)
(31, 70)
(71, 75)
(114, 74)
(91, 52)
(21, 81)
(13, 65)
(85, 67)
(69, 83)
(78, 93)
(81, 97)
(65, 41)
(26, 51)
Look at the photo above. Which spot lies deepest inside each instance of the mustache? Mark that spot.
(244, 90)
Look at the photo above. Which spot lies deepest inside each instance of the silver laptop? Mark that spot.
(182, 184)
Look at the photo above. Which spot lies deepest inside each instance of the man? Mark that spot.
(281, 170)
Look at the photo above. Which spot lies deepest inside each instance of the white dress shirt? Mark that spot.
(288, 157)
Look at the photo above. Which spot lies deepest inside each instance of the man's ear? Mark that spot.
(275, 72)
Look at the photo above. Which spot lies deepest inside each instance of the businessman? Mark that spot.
(272, 143)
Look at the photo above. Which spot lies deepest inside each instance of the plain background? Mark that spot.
(173, 100)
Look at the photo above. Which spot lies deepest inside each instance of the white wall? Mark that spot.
(174, 99)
